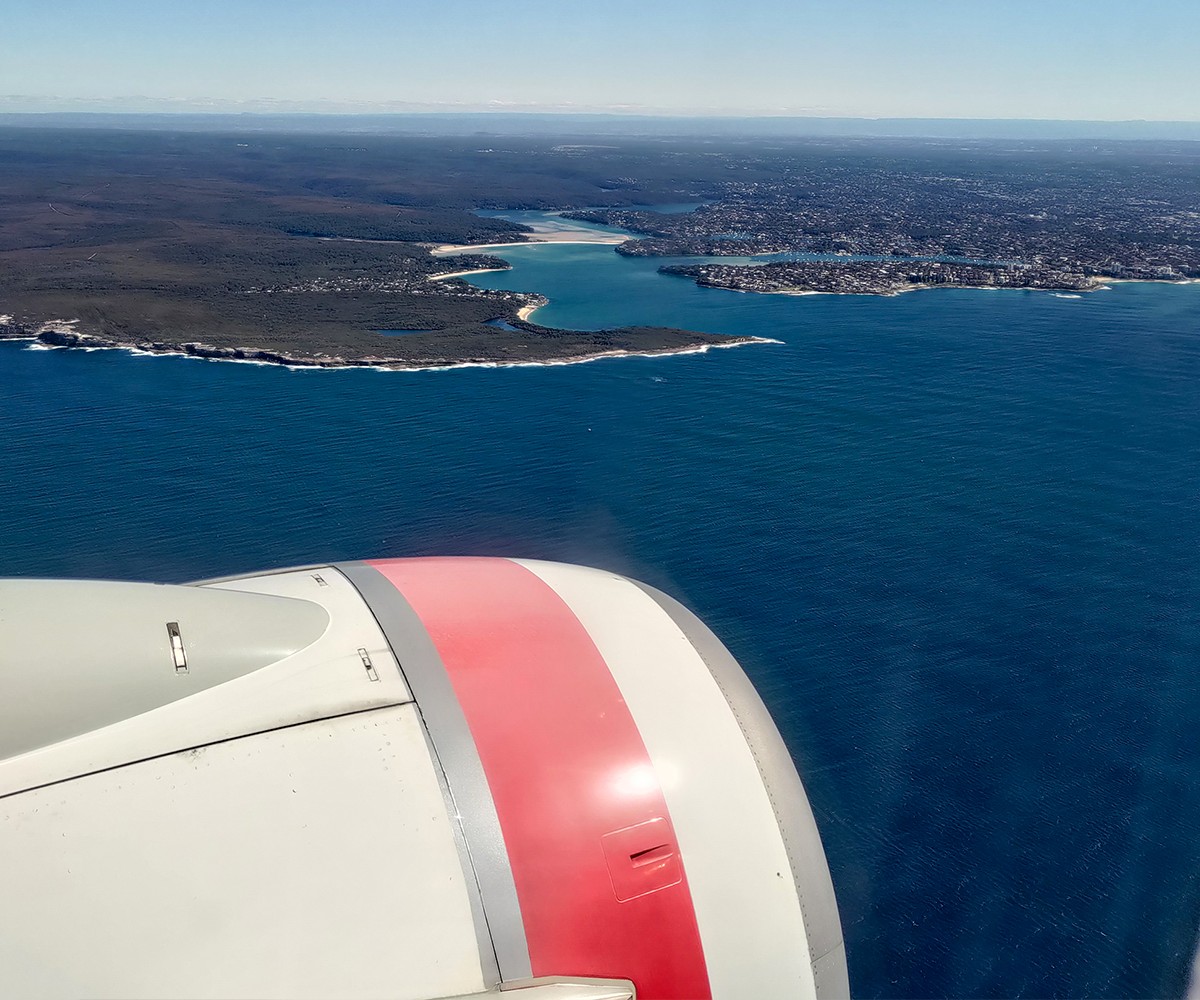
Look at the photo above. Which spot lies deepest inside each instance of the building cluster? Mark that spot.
(1055, 216)
(411, 276)
(876, 277)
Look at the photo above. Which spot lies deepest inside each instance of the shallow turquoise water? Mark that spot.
(952, 536)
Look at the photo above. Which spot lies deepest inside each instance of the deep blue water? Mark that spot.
(953, 536)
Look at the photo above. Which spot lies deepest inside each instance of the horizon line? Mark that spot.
(569, 113)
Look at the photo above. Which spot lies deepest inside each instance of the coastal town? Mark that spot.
(984, 216)
(877, 277)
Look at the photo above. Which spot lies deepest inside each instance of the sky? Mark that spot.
(1058, 59)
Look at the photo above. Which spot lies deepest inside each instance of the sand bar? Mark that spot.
(557, 236)
(459, 274)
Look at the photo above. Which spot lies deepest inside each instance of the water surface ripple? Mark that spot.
(952, 536)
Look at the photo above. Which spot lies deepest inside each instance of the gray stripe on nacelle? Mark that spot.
(797, 825)
(503, 949)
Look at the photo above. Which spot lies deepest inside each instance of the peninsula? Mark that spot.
(307, 251)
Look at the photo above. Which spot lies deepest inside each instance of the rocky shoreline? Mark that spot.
(58, 337)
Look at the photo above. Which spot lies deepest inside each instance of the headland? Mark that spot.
(202, 247)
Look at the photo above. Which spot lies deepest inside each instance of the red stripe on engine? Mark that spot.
(566, 766)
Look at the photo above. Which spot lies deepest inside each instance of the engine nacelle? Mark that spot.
(406, 778)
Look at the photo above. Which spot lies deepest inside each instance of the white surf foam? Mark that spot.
(453, 366)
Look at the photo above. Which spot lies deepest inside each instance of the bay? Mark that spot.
(953, 537)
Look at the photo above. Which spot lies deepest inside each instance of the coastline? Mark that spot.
(495, 352)
(489, 352)
(1146, 281)
(523, 313)
(204, 352)
(63, 334)
(1101, 284)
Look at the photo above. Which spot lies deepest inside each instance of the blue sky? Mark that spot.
(877, 58)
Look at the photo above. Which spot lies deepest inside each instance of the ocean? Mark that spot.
(953, 536)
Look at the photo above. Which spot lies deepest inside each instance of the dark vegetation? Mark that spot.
(304, 245)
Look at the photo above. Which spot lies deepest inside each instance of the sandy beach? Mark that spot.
(1149, 281)
(460, 274)
(544, 232)
(557, 236)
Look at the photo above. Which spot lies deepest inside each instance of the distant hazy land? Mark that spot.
(446, 123)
